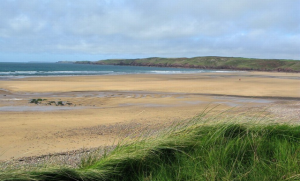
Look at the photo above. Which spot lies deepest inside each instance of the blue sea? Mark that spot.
(69, 69)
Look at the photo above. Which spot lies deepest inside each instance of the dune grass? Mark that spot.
(198, 149)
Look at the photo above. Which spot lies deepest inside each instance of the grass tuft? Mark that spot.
(197, 149)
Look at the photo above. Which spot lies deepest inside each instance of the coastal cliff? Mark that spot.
(209, 62)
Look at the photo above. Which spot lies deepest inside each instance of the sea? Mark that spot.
(17, 70)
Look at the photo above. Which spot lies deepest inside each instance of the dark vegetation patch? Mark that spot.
(56, 103)
(37, 101)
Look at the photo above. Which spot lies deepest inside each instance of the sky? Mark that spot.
(71, 30)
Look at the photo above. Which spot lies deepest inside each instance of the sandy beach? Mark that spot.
(102, 110)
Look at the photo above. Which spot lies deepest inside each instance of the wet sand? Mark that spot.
(105, 109)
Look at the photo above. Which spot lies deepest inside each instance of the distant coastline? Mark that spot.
(208, 62)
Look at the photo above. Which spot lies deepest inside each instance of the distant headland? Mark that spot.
(207, 62)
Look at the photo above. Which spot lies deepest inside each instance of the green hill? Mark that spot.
(210, 62)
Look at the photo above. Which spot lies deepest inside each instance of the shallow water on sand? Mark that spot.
(36, 108)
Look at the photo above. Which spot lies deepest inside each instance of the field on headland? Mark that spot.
(208, 62)
(103, 110)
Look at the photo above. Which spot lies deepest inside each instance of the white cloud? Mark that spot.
(267, 29)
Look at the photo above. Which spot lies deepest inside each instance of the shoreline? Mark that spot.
(4, 78)
(112, 74)
(199, 68)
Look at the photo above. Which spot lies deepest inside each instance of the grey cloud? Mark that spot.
(266, 29)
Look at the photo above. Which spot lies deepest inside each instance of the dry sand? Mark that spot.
(106, 109)
(239, 83)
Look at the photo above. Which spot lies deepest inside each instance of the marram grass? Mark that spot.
(195, 150)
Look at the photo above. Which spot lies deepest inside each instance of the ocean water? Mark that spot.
(68, 69)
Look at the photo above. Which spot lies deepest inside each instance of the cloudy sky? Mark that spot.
(54, 30)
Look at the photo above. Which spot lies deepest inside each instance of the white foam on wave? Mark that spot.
(79, 72)
(12, 74)
(174, 72)
(54, 72)
(220, 71)
(18, 72)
